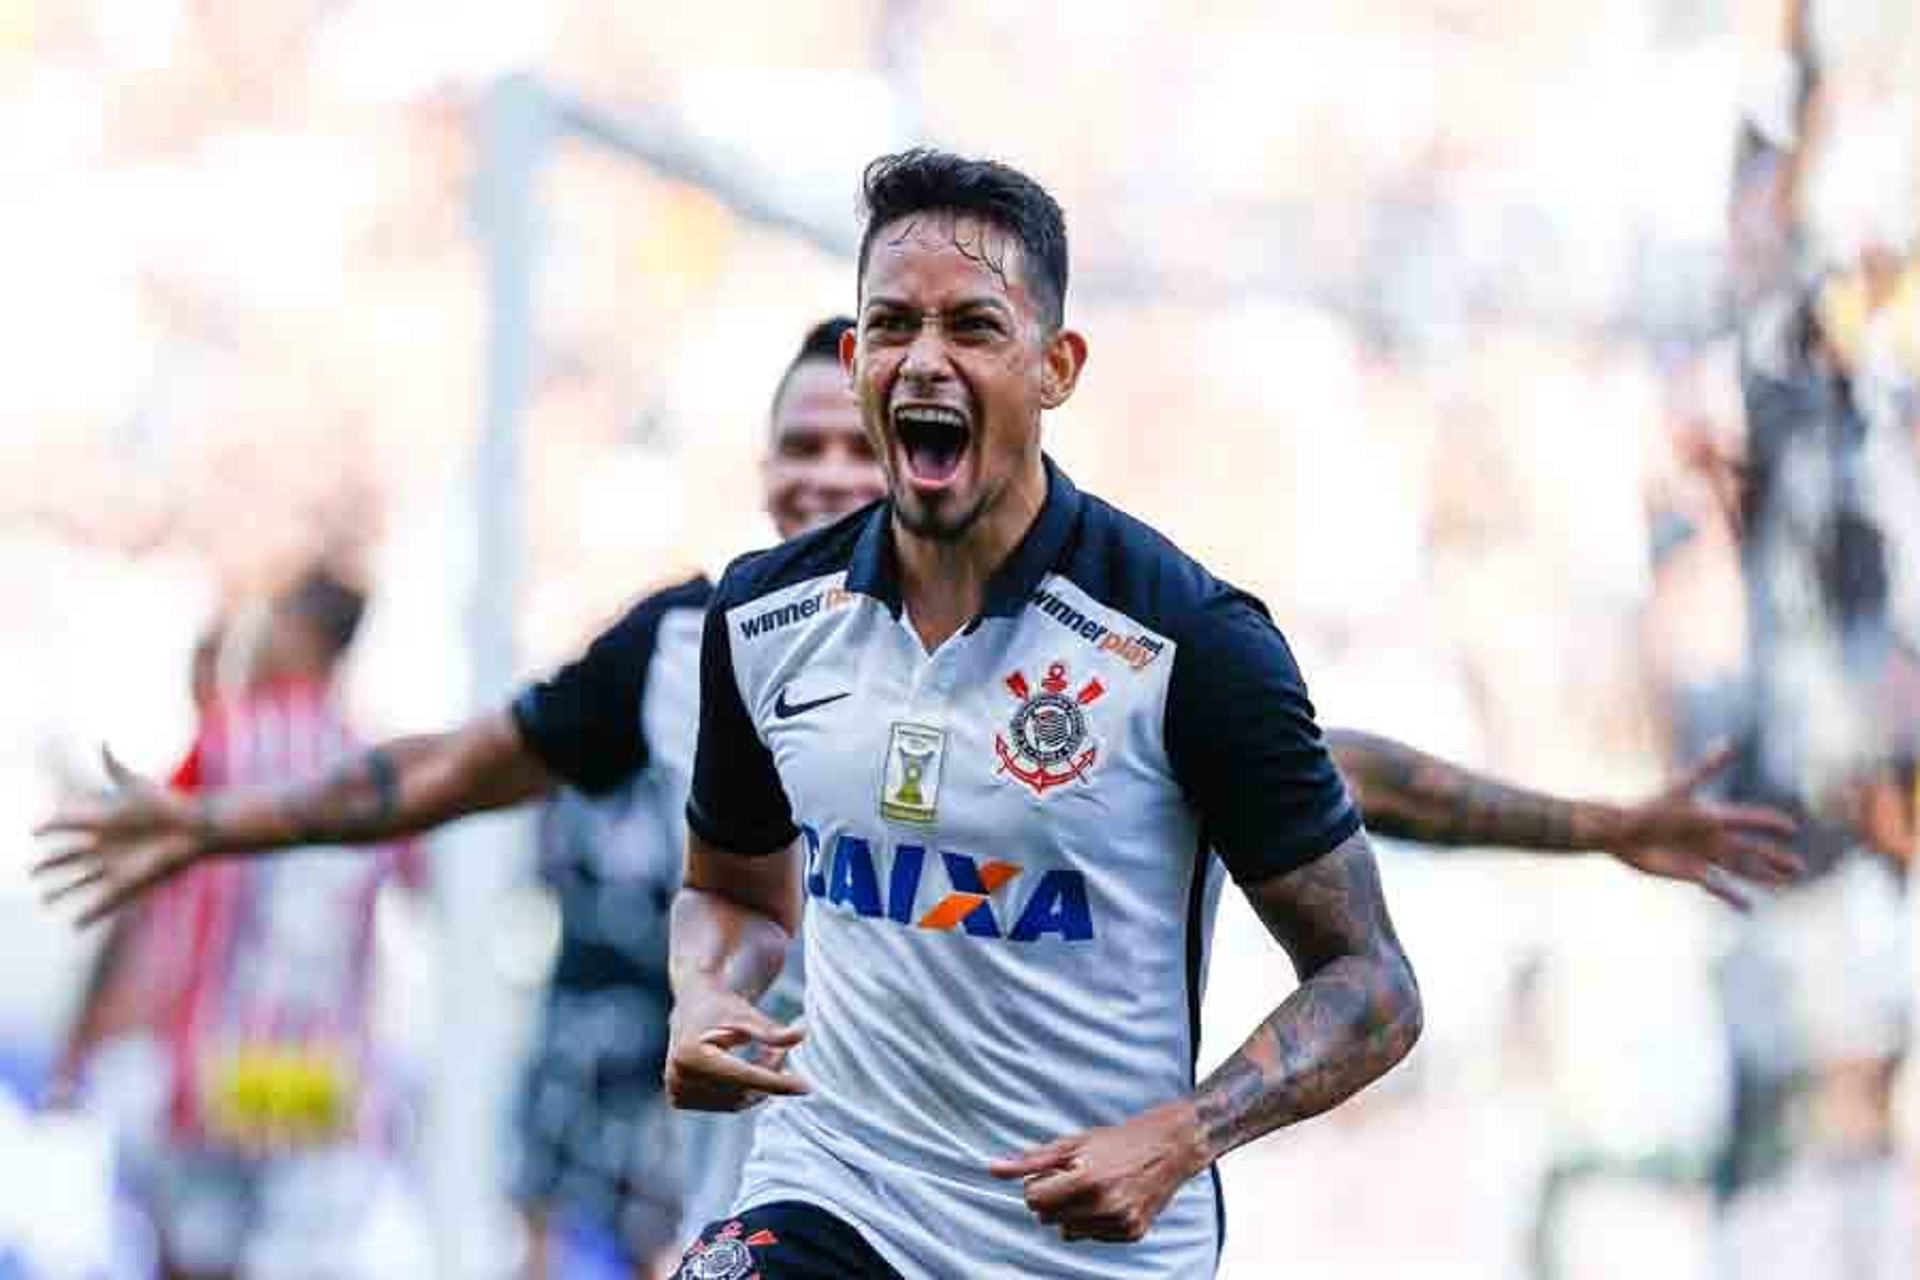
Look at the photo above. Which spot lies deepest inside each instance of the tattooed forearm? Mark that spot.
(359, 799)
(401, 787)
(355, 802)
(1411, 795)
(1356, 1013)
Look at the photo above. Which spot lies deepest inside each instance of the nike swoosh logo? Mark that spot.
(785, 710)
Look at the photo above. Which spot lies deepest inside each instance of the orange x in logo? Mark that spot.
(968, 903)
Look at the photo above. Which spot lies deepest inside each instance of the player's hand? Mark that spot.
(119, 842)
(1682, 836)
(706, 1068)
(1111, 1183)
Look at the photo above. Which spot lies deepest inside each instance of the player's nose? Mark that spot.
(925, 358)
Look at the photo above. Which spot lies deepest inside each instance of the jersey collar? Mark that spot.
(875, 568)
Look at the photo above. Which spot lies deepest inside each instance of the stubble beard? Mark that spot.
(924, 521)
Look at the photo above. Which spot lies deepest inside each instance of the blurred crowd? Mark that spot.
(1551, 369)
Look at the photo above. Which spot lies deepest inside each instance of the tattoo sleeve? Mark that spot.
(401, 787)
(1411, 795)
(1355, 1014)
(359, 799)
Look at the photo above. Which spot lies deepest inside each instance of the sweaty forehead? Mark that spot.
(938, 259)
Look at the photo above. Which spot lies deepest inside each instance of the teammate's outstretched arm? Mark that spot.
(580, 726)
(133, 834)
(732, 923)
(1354, 1015)
(1410, 795)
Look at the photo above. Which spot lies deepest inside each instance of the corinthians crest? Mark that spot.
(728, 1256)
(1046, 745)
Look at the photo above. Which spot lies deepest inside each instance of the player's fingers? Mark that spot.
(1766, 861)
(769, 1031)
(66, 857)
(1755, 819)
(73, 818)
(1061, 1196)
(119, 893)
(712, 1067)
(1724, 887)
(1705, 770)
(61, 892)
(772, 1058)
(1042, 1159)
(118, 773)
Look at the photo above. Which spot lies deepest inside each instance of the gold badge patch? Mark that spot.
(910, 791)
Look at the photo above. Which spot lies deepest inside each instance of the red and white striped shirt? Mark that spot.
(260, 968)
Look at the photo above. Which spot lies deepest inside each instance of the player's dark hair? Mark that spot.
(927, 181)
(821, 343)
(330, 605)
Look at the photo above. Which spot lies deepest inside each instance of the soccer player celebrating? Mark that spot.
(1006, 722)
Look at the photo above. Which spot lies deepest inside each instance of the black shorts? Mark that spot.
(788, 1240)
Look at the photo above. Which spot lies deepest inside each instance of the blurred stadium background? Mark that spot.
(1404, 314)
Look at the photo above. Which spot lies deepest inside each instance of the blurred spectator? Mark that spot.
(1817, 988)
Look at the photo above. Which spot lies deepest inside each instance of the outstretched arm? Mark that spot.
(1410, 795)
(133, 835)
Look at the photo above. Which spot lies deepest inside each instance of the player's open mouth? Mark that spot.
(933, 441)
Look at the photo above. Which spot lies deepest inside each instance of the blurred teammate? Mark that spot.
(598, 1161)
(626, 710)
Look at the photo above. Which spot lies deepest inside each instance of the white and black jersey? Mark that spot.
(1007, 870)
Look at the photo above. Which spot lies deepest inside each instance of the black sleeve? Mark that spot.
(583, 721)
(738, 803)
(1242, 739)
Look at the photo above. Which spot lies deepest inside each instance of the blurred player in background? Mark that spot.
(256, 977)
(598, 1161)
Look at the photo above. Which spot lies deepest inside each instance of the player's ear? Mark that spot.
(849, 343)
(1066, 356)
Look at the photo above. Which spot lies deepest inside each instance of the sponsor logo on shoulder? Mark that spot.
(1137, 651)
(771, 620)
